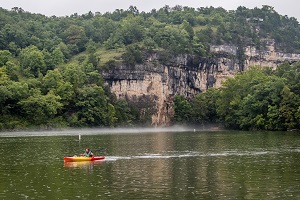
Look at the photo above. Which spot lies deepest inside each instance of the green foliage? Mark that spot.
(32, 61)
(132, 55)
(41, 84)
(288, 108)
(188, 28)
(204, 106)
(52, 80)
(182, 108)
(93, 59)
(125, 27)
(5, 56)
(91, 46)
(75, 75)
(39, 108)
(171, 28)
(123, 113)
(111, 115)
(75, 35)
(174, 39)
(92, 107)
(258, 99)
(57, 57)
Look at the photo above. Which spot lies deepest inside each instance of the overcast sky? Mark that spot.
(290, 8)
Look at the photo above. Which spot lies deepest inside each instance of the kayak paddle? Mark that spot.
(101, 149)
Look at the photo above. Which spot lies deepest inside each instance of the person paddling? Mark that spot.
(87, 153)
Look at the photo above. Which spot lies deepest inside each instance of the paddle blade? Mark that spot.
(102, 149)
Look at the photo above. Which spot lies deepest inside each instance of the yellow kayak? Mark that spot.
(82, 158)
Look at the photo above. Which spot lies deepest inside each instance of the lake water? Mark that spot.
(153, 165)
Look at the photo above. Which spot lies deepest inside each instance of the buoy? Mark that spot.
(194, 130)
(79, 137)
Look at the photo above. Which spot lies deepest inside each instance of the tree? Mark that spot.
(92, 107)
(39, 109)
(74, 74)
(189, 29)
(182, 109)
(4, 92)
(57, 57)
(291, 74)
(175, 40)
(32, 61)
(111, 115)
(204, 107)
(48, 60)
(91, 46)
(101, 28)
(93, 60)
(123, 112)
(132, 55)
(129, 31)
(149, 44)
(52, 80)
(5, 56)
(65, 50)
(75, 36)
(133, 10)
(288, 108)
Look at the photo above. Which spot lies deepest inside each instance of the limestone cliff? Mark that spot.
(158, 82)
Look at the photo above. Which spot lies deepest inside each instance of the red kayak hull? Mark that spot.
(82, 158)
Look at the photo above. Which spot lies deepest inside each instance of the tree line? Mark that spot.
(177, 29)
(257, 99)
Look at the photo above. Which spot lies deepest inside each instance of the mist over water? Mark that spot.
(101, 131)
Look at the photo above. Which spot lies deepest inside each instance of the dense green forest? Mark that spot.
(50, 67)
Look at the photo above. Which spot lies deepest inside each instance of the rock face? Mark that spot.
(154, 84)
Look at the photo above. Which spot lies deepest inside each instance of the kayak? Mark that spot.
(82, 158)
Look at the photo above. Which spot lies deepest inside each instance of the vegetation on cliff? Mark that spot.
(257, 99)
(50, 66)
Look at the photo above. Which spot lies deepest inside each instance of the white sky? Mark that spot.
(290, 8)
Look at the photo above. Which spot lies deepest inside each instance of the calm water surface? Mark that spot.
(182, 165)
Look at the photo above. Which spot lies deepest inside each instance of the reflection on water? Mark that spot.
(187, 165)
(83, 164)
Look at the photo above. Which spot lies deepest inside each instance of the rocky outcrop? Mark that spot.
(269, 56)
(186, 75)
